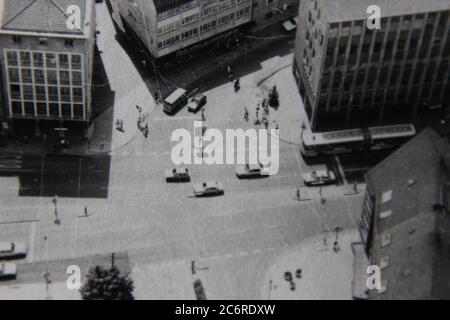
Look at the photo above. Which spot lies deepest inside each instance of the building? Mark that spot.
(405, 222)
(46, 61)
(350, 75)
(168, 26)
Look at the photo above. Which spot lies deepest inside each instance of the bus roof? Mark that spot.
(403, 130)
(174, 96)
(333, 137)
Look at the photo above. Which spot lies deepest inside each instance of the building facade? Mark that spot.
(46, 59)
(168, 26)
(350, 75)
(405, 223)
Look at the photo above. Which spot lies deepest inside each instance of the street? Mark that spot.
(162, 227)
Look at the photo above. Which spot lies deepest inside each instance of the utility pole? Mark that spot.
(55, 202)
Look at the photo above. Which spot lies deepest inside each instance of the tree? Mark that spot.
(107, 284)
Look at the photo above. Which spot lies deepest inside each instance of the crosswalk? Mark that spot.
(11, 163)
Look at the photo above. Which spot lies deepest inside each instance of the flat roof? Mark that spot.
(345, 10)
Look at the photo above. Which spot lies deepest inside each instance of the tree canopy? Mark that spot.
(107, 284)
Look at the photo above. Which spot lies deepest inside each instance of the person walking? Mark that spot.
(245, 114)
(86, 213)
(298, 194)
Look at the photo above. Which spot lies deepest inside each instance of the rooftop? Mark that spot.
(44, 16)
(411, 236)
(345, 10)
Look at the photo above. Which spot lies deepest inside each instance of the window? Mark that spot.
(43, 41)
(64, 61)
(68, 43)
(17, 39)
(76, 62)
(12, 58)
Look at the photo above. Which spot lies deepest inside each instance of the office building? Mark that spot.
(165, 27)
(353, 75)
(46, 61)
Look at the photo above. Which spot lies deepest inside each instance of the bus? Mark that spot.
(175, 101)
(355, 140)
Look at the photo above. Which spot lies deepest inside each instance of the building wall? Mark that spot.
(368, 77)
(167, 32)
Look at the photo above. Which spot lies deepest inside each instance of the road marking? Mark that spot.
(341, 170)
(32, 242)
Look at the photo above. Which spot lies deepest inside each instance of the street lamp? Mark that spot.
(48, 281)
(55, 202)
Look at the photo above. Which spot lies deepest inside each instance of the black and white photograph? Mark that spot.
(224, 150)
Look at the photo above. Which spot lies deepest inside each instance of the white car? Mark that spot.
(319, 177)
(252, 171)
(8, 270)
(212, 188)
(197, 102)
(12, 250)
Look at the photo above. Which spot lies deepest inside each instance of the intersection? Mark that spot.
(161, 228)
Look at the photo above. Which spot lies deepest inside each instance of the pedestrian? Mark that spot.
(336, 247)
(245, 114)
(298, 194)
(86, 213)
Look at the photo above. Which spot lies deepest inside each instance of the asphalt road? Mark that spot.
(133, 210)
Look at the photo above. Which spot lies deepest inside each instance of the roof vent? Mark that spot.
(411, 182)
(385, 214)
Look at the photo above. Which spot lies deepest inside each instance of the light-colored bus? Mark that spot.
(346, 141)
(175, 101)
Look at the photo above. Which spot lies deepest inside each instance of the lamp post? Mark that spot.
(55, 202)
(47, 274)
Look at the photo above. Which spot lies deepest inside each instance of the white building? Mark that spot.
(167, 26)
(46, 62)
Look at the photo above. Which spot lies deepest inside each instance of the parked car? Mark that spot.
(212, 188)
(319, 177)
(251, 171)
(12, 250)
(197, 102)
(8, 270)
(178, 175)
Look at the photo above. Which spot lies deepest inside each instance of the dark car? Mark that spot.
(178, 175)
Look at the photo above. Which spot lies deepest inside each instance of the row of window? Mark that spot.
(42, 41)
(222, 5)
(203, 28)
(44, 110)
(44, 94)
(42, 76)
(44, 60)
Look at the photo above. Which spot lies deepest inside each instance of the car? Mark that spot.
(178, 175)
(8, 270)
(197, 102)
(252, 171)
(291, 24)
(212, 188)
(319, 177)
(12, 250)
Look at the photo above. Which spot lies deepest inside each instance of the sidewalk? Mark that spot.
(326, 274)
